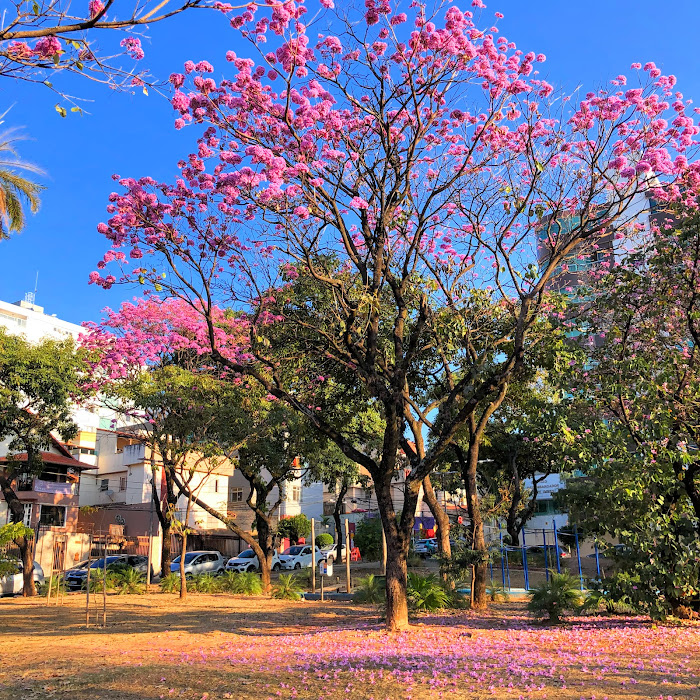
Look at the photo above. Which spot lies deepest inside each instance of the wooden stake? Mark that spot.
(313, 556)
(87, 597)
(104, 584)
(347, 555)
(383, 552)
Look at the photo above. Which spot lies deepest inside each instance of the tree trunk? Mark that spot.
(469, 468)
(25, 544)
(267, 549)
(183, 578)
(398, 537)
(442, 521)
(166, 547)
(338, 523)
(512, 517)
(396, 584)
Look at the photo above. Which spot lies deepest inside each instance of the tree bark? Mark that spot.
(183, 578)
(337, 521)
(25, 544)
(267, 549)
(442, 521)
(468, 464)
(398, 535)
(511, 519)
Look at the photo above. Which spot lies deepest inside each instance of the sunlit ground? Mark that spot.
(217, 646)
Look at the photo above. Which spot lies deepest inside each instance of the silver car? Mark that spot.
(205, 562)
(12, 584)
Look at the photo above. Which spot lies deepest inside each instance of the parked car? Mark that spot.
(204, 562)
(424, 548)
(248, 561)
(12, 584)
(299, 557)
(331, 552)
(76, 577)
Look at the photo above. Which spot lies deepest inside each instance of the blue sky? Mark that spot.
(586, 43)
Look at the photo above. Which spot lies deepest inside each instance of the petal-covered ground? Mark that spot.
(226, 647)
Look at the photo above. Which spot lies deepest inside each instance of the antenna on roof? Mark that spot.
(30, 297)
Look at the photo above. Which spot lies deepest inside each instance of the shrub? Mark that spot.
(426, 593)
(497, 593)
(287, 588)
(58, 585)
(128, 580)
(203, 583)
(370, 589)
(245, 583)
(555, 597)
(368, 538)
(97, 579)
(170, 583)
(325, 539)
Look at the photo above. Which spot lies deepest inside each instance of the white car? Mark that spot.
(209, 562)
(331, 552)
(299, 557)
(12, 584)
(248, 561)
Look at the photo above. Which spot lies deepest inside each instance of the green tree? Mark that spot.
(641, 385)
(294, 528)
(38, 385)
(16, 190)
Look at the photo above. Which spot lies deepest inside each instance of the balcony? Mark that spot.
(133, 454)
(58, 487)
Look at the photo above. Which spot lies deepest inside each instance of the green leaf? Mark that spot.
(35, 8)
(61, 110)
(56, 58)
(79, 65)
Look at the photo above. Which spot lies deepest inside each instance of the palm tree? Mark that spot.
(15, 190)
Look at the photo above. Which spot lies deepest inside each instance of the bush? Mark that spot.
(170, 583)
(426, 593)
(497, 593)
(128, 580)
(97, 580)
(245, 583)
(203, 583)
(58, 585)
(287, 588)
(370, 589)
(325, 539)
(555, 597)
(368, 538)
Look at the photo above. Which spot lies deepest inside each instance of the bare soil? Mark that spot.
(220, 646)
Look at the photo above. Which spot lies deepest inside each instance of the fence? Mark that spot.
(540, 552)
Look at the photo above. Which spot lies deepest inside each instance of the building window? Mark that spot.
(52, 516)
(294, 494)
(104, 484)
(235, 495)
(545, 506)
(27, 519)
(122, 483)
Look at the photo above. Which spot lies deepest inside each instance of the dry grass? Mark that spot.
(214, 647)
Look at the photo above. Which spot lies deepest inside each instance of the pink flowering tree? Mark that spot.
(378, 180)
(152, 364)
(43, 37)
